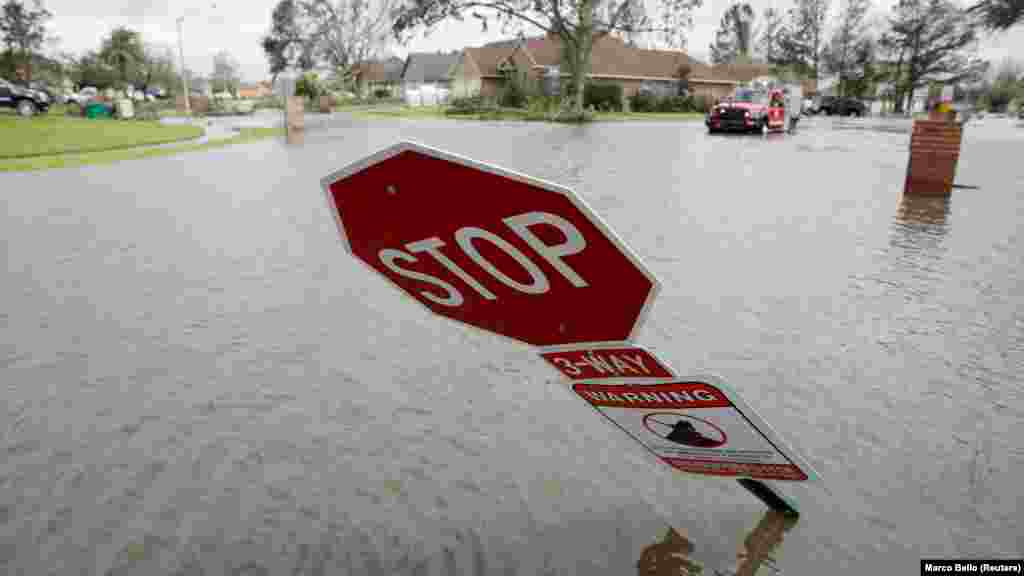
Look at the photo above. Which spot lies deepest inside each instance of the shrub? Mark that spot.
(542, 107)
(701, 103)
(147, 111)
(469, 105)
(603, 96)
(514, 94)
(308, 85)
(643, 102)
(381, 93)
(271, 102)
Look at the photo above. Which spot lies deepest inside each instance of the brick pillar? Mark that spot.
(934, 152)
(294, 121)
(179, 104)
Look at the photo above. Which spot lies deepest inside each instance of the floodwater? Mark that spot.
(197, 379)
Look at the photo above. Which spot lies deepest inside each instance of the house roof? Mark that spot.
(425, 67)
(486, 58)
(389, 70)
(610, 57)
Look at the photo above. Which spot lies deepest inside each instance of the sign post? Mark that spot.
(529, 261)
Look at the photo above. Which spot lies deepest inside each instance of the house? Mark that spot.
(485, 70)
(373, 76)
(257, 90)
(426, 73)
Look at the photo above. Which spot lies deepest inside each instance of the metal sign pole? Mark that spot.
(770, 497)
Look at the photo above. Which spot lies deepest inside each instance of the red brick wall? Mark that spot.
(934, 152)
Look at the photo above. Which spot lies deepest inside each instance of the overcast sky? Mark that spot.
(237, 25)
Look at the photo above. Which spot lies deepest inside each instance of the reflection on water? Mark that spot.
(924, 211)
(669, 557)
(759, 545)
(921, 223)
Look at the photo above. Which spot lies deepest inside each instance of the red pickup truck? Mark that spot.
(748, 110)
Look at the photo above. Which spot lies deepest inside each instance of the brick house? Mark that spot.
(485, 70)
(257, 90)
(386, 75)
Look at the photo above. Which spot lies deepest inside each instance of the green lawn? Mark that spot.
(49, 134)
(109, 156)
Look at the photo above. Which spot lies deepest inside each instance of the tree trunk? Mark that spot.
(584, 41)
(897, 86)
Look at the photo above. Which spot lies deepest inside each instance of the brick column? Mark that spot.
(934, 152)
(294, 120)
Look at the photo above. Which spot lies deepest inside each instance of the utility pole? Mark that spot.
(184, 72)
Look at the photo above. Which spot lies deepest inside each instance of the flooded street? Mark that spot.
(198, 379)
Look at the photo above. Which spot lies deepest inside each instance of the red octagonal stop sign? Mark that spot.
(494, 249)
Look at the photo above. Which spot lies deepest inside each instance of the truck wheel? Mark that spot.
(26, 108)
(855, 113)
(764, 126)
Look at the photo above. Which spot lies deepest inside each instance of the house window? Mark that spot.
(660, 88)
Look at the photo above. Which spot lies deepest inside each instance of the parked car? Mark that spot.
(83, 96)
(24, 99)
(834, 105)
(808, 107)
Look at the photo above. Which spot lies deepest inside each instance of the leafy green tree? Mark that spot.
(849, 50)
(225, 73)
(124, 51)
(308, 85)
(733, 39)
(23, 32)
(289, 42)
(935, 41)
(157, 68)
(92, 70)
(807, 33)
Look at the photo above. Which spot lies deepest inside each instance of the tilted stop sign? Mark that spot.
(491, 248)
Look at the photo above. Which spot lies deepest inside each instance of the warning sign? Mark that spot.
(697, 427)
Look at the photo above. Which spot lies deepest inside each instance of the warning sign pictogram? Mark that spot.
(697, 427)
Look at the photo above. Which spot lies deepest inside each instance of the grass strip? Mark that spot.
(110, 156)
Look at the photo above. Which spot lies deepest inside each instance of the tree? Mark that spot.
(23, 31)
(1007, 86)
(577, 24)
(935, 41)
(733, 40)
(846, 54)
(289, 42)
(807, 33)
(348, 32)
(123, 50)
(91, 70)
(157, 68)
(999, 14)
(225, 73)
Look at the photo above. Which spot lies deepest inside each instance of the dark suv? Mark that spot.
(25, 100)
(842, 106)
